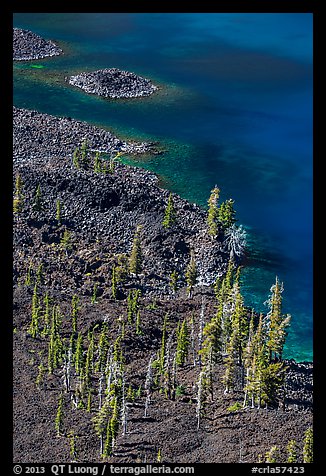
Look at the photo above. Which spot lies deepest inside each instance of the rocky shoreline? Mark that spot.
(30, 46)
(38, 135)
(113, 83)
(107, 207)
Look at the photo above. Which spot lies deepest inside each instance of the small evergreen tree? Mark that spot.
(74, 312)
(226, 213)
(182, 344)
(37, 205)
(278, 322)
(169, 214)
(292, 456)
(18, 202)
(212, 216)
(308, 446)
(174, 277)
(72, 444)
(272, 456)
(34, 326)
(75, 158)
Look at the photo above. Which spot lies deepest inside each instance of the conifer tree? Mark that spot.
(102, 424)
(66, 241)
(212, 216)
(83, 153)
(182, 344)
(174, 276)
(226, 214)
(278, 322)
(75, 158)
(72, 444)
(292, 456)
(191, 274)
(34, 325)
(74, 312)
(272, 455)
(28, 279)
(37, 203)
(103, 348)
(18, 202)
(308, 446)
(135, 259)
(40, 375)
(169, 214)
(94, 295)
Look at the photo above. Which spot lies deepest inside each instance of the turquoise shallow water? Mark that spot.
(234, 109)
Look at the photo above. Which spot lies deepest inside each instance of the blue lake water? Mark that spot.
(234, 109)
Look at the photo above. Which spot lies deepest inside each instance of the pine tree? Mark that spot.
(226, 214)
(182, 344)
(292, 456)
(34, 325)
(135, 259)
(18, 202)
(40, 375)
(37, 205)
(28, 279)
(169, 214)
(101, 423)
(66, 241)
(272, 456)
(83, 153)
(212, 216)
(278, 322)
(308, 446)
(72, 444)
(75, 158)
(174, 277)
(74, 312)
(94, 295)
(59, 416)
(191, 274)
(79, 355)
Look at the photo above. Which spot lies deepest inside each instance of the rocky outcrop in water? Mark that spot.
(30, 46)
(113, 83)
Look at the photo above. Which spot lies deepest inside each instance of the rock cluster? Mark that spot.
(42, 135)
(113, 83)
(30, 46)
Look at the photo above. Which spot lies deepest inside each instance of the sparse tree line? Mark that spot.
(247, 346)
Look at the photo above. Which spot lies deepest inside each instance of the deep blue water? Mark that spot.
(234, 109)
